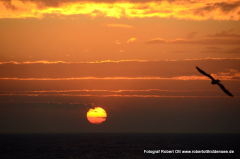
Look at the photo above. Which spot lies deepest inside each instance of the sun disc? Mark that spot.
(96, 115)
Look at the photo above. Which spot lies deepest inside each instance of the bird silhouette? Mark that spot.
(215, 81)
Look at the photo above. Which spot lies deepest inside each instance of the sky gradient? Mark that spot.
(136, 59)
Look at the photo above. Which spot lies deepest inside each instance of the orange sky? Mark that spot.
(60, 58)
(91, 31)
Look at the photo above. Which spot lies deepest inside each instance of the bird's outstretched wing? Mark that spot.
(204, 73)
(224, 89)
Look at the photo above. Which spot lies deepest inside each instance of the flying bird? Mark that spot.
(215, 81)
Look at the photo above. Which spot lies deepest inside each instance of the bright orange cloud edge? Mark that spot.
(197, 10)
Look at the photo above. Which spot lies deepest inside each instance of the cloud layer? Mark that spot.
(226, 69)
(222, 38)
(192, 10)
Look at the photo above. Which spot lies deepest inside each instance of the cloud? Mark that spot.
(68, 106)
(120, 70)
(215, 41)
(33, 62)
(237, 50)
(220, 51)
(213, 48)
(156, 41)
(191, 35)
(9, 5)
(89, 105)
(131, 40)
(225, 77)
(190, 10)
(118, 26)
(111, 61)
(224, 34)
(47, 105)
(221, 10)
(223, 6)
(117, 42)
(175, 41)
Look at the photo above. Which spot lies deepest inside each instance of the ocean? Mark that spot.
(119, 145)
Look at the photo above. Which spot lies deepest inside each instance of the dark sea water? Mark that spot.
(116, 145)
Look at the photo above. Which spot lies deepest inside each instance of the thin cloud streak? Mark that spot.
(212, 41)
(96, 90)
(109, 78)
(225, 69)
(111, 61)
(230, 77)
(44, 102)
(117, 95)
(144, 93)
(119, 26)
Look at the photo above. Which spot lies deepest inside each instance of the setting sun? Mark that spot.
(62, 60)
(165, 71)
(96, 115)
